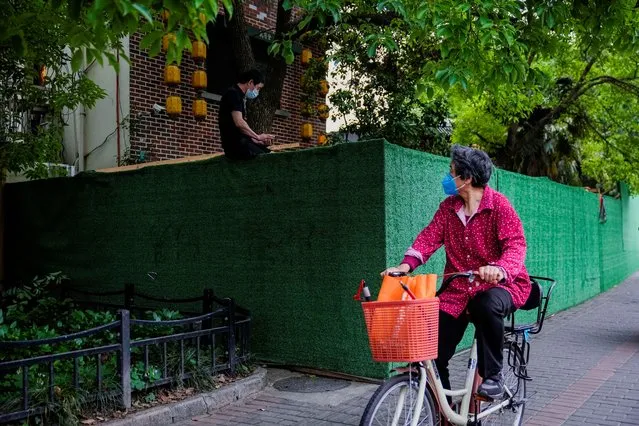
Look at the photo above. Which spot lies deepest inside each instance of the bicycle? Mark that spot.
(397, 401)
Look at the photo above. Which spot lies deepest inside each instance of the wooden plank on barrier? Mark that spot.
(160, 163)
(284, 146)
(190, 159)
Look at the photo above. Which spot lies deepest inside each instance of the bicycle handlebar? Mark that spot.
(470, 275)
(450, 277)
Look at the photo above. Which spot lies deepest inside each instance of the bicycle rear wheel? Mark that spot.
(397, 397)
(513, 367)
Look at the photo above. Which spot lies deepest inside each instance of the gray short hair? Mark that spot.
(472, 163)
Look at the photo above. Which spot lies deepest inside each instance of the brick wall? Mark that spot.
(161, 137)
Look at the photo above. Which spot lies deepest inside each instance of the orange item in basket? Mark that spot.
(423, 286)
(402, 331)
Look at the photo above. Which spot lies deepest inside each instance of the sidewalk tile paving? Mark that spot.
(584, 364)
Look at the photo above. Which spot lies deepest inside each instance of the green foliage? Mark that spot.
(409, 69)
(31, 312)
(549, 88)
(95, 28)
(474, 126)
(34, 106)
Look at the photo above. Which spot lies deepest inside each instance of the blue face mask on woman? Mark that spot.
(448, 183)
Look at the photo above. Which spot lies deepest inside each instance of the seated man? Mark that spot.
(480, 231)
(238, 140)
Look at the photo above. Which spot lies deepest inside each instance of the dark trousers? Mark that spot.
(243, 149)
(486, 311)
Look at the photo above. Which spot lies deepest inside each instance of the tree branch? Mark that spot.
(379, 19)
(625, 156)
(623, 84)
(568, 100)
(483, 139)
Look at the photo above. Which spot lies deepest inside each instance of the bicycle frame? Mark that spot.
(428, 372)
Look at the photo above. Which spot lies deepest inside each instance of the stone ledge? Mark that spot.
(204, 403)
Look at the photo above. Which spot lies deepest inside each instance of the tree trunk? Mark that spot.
(262, 111)
(240, 40)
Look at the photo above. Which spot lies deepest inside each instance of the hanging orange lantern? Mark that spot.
(322, 139)
(307, 54)
(166, 39)
(307, 131)
(42, 75)
(198, 51)
(165, 15)
(199, 109)
(199, 80)
(323, 87)
(322, 111)
(172, 75)
(173, 106)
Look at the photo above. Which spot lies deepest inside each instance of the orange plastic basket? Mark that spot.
(402, 331)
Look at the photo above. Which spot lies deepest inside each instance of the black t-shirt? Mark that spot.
(232, 100)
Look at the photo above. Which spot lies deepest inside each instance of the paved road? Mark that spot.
(585, 366)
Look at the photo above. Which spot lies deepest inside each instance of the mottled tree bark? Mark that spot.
(261, 111)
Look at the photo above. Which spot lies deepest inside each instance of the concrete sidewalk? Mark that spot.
(584, 364)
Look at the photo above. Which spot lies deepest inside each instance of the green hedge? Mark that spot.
(291, 234)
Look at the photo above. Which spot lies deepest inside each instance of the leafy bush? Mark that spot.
(32, 312)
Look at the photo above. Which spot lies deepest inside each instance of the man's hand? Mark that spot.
(491, 274)
(264, 139)
(404, 267)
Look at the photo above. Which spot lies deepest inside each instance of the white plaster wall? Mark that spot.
(90, 139)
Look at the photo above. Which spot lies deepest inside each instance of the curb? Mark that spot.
(198, 405)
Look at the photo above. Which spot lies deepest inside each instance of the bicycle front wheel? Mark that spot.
(513, 370)
(396, 400)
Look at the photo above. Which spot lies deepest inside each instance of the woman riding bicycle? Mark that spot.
(481, 232)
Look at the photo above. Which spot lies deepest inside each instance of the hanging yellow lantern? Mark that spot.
(202, 17)
(198, 51)
(307, 131)
(322, 139)
(199, 109)
(166, 39)
(199, 80)
(323, 87)
(307, 54)
(171, 75)
(173, 106)
(322, 111)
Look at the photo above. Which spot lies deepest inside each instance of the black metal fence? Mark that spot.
(126, 358)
